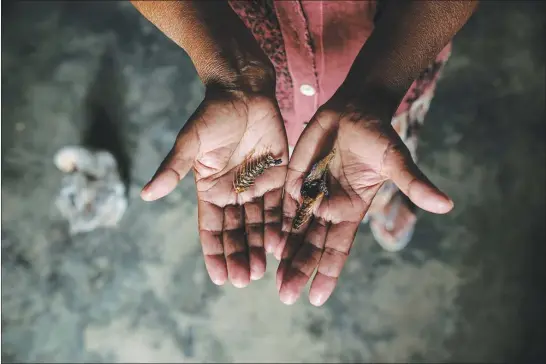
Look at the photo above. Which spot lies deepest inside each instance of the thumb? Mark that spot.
(402, 170)
(174, 167)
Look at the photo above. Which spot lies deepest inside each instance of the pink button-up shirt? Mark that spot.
(320, 41)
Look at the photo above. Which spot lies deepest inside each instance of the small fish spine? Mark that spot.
(252, 168)
(320, 168)
(305, 211)
(318, 172)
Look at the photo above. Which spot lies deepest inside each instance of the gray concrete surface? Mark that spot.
(469, 288)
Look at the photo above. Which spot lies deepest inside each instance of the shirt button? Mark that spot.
(307, 90)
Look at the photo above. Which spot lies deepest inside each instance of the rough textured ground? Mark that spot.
(469, 288)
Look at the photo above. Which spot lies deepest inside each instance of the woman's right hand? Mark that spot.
(239, 114)
(227, 126)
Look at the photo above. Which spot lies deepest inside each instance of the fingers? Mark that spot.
(272, 219)
(254, 227)
(339, 241)
(314, 143)
(174, 167)
(210, 233)
(289, 208)
(235, 248)
(300, 266)
(290, 243)
(400, 168)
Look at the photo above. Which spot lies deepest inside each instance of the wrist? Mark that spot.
(365, 101)
(407, 37)
(237, 68)
(222, 49)
(230, 57)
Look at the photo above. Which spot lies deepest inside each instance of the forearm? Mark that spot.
(407, 38)
(220, 46)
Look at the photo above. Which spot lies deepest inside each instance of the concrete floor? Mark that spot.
(469, 288)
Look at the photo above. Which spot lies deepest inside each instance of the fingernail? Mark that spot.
(278, 252)
(160, 186)
(254, 275)
(146, 194)
(317, 300)
(446, 204)
(239, 284)
(288, 298)
(218, 282)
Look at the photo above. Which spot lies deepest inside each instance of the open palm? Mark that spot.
(367, 153)
(233, 227)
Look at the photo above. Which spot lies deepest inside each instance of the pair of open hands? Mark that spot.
(236, 230)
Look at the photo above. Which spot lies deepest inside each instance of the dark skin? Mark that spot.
(238, 114)
(356, 121)
(240, 88)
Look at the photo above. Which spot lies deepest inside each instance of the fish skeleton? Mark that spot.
(252, 168)
(313, 189)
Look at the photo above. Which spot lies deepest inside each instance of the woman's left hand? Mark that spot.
(368, 151)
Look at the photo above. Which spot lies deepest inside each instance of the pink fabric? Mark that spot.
(262, 22)
(426, 82)
(315, 43)
(320, 41)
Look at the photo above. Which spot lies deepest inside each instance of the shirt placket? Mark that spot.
(301, 58)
